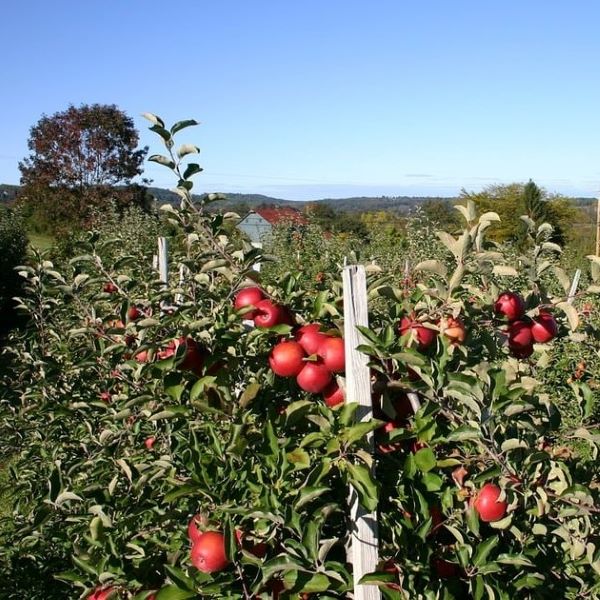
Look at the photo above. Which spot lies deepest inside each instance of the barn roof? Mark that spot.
(276, 215)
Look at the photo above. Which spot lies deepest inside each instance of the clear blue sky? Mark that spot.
(325, 98)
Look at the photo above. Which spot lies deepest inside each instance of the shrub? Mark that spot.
(13, 248)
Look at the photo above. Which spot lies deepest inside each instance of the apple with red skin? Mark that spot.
(102, 593)
(454, 330)
(269, 314)
(208, 552)
(249, 296)
(487, 505)
(142, 356)
(105, 397)
(333, 394)
(510, 305)
(520, 339)
(544, 328)
(331, 350)
(310, 337)
(134, 313)
(192, 530)
(424, 335)
(194, 358)
(110, 288)
(444, 569)
(314, 377)
(149, 442)
(287, 359)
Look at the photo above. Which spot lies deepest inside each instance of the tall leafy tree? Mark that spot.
(78, 158)
(535, 205)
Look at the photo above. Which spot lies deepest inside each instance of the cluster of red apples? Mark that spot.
(313, 357)
(522, 331)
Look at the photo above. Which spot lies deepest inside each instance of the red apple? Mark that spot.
(519, 336)
(249, 296)
(333, 394)
(437, 517)
(287, 359)
(511, 305)
(544, 328)
(194, 357)
(331, 350)
(424, 335)
(105, 397)
(110, 287)
(268, 314)
(522, 353)
(142, 357)
(444, 569)
(134, 313)
(193, 532)
(149, 442)
(487, 505)
(102, 593)
(309, 337)
(208, 552)
(314, 377)
(454, 330)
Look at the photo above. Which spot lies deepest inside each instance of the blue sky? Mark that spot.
(325, 98)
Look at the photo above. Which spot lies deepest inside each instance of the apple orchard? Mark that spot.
(194, 440)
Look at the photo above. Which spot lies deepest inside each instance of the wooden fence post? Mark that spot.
(574, 285)
(163, 259)
(364, 531)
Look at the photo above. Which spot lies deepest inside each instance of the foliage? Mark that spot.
(13, 247)
(515, 199)
(79, 158)
(249, 451)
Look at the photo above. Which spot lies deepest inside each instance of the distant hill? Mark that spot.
(246, 202)
(397, 204)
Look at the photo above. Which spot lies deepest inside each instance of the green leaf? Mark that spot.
(571, 313)
(309, 493)
(164, 134)
(192, 169)
(425, 459)
(359, 431)
(484, 549)
(299, 458)
(154, 119)
(433, 266)
(162, 160)
(172, 592)
(182, 125)
(362, 481)
(464, 432)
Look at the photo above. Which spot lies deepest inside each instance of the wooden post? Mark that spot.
(256, 266)
(574, 286)
(163, 259)
(364, 533)
(598, 227)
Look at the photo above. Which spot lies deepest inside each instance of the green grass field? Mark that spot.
(41, 241)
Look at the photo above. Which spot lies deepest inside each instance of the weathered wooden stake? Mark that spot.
(574, 285)
(364, 533)
(163, 259)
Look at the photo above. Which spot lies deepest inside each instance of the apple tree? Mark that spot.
(164, 448)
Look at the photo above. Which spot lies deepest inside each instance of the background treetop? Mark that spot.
(85, 146)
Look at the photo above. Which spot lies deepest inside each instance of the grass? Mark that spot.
(41, 241)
